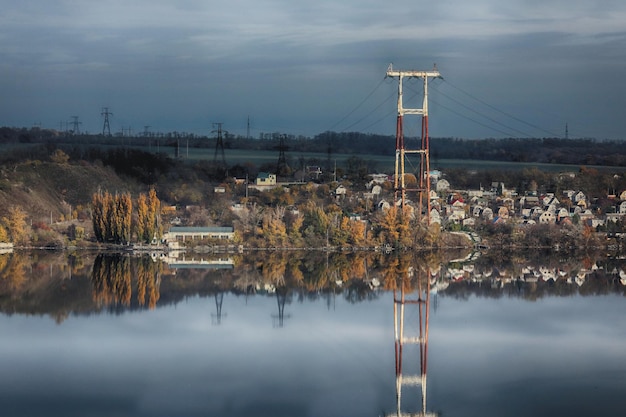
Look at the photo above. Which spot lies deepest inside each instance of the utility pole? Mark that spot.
(106, 128)
(423, 180)
(248, 130)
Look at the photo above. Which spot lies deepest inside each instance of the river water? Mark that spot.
(128, 336)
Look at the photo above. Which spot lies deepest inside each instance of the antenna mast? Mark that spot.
(423, 180)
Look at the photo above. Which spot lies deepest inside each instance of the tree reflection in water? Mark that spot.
(61, 283)
(112, 280)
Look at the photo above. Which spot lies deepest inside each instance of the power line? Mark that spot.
(470, 119)
(500, 111)
(371, 112)
(358, 106)
(481, 114)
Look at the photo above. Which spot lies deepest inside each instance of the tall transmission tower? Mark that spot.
(106, 128)
(423, 175)
(75, 125)
(415, 334)
(219, 145)
(281, 167)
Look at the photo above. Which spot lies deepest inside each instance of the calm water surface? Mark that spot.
(263, 354)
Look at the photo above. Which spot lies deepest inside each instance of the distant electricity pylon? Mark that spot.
(106, 128)
(219, 144)
(281, 167)
(423, 175)
(75, 125)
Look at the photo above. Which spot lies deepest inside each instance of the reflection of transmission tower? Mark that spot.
(423, 180)
(219, 144)
(106, 128)
(217, 317)
(281, 297)
(407, 298)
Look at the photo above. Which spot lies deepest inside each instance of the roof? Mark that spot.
(209, 229)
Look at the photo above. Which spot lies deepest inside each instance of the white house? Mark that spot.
(547, 217)
(442, 185)
(578, 197)
(266, 178)
(192, 233)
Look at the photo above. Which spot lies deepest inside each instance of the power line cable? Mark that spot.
(481, 114)
(470, 119)
(370, 113)
(358, 105)
(498, 110)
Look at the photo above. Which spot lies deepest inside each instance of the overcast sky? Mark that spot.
(515, 68)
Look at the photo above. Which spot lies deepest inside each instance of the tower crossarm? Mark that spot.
(412, 380)
(412, 340)
(412, 73)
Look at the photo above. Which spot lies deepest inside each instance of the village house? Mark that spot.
(547, 217)
(266, 178)
(183, 234)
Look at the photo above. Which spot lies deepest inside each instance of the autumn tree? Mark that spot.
(142, 215)
(148, 225)
(15, 222)
(111, 217)
(4, 235)
(59, 157)
(153, 225)
(274, 230)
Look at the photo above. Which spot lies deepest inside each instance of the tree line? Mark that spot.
(579, 151)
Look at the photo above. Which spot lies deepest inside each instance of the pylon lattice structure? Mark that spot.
(282, 167)
(219, 145)
(75, 125)
(423, 174)
(418, 301)
(106, 128)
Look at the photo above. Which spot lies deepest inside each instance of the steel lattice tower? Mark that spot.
(75, 125)
(423, 175)
(106, 128)
(282, 167)
(219, 145)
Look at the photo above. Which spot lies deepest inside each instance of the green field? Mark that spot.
(377, 163)
(381, 163)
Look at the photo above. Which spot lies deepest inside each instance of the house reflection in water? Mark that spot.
(412, 300)
(180, 260)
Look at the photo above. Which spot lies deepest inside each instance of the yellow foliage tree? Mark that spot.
(16, 224)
